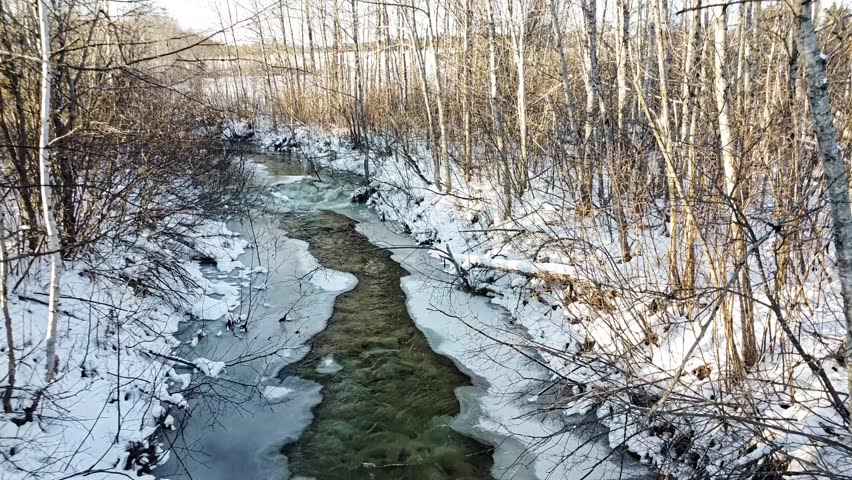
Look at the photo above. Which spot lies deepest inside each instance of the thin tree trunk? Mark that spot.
(360, 114)
(424, 86)
(730, 166)
(466, 94)
(664, 117)
(622, 21)
(497, 112)
(52, 365)
(7, 318)
(563, 70)
(587, 165)
(689, 119)
(439, 93)
(834, 168)
(519, 45)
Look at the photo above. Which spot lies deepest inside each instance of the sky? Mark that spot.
(197, 15)
(203, 16)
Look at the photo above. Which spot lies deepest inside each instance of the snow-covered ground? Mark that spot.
(614, 353)
(116, 362)
(132, 364)
(502, 407)
(237, 427)
(545, 349)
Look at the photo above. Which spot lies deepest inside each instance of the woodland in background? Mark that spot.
(695, 114)
(105, 144)
(709, 137)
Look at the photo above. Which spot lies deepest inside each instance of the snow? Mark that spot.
(209, 368)
(209, 308)
(328, 365)
(332, 280)
(112, 390)
(276, 394)
(611, 349)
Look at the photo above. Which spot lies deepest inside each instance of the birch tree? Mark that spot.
(11, 372)
(834, 165)
(52, 234)
(518, 37)
(439, 93)
(497, 111)
(733, 188)
(563, 70)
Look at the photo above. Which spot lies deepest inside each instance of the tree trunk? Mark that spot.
(730, 166)
(360, 114)
(439, 93)
(563, 70)
(623, 23)
(587, 163)
(834, 168)
(52, 365)
(427, 101)
(519, 45)
(497, 112)
(466, 94)
(7, 319)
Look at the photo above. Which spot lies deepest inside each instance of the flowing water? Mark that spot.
(351, 386)
(387, 413)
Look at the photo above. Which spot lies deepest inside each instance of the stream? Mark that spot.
(357, 361)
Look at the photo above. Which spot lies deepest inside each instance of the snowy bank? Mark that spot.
(621, 352)
(116, 389)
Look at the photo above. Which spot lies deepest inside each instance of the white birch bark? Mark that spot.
(439, 93)
(730, 166)
(590, 39)
(466, 94)
(834, 168)
(7, 319)
(518, 27)
(52, 233)
(361, 119)
(622, 39)
(664, 122)
(497, 112)
(424, 87)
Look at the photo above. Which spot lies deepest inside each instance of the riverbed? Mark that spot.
(351, 356)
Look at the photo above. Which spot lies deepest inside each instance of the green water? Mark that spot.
(386, 415)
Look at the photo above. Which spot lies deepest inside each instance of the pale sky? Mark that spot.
(203, 15)
(197, 15)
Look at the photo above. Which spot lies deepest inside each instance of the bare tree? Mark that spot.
(834, 169)
(52, 365)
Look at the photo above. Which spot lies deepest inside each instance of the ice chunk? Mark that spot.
(209, 368)
(332, 280)
(276, 394)
(328, 365)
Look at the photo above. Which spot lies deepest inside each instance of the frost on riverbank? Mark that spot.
(620, 350)
(201, 353)
(111, 399)
(287, 300)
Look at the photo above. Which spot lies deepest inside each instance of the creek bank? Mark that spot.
(498, 409)
(110, 404)
(387, 412)
(239, 422)
(503, 408)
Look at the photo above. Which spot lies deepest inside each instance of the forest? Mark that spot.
(637, 209)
